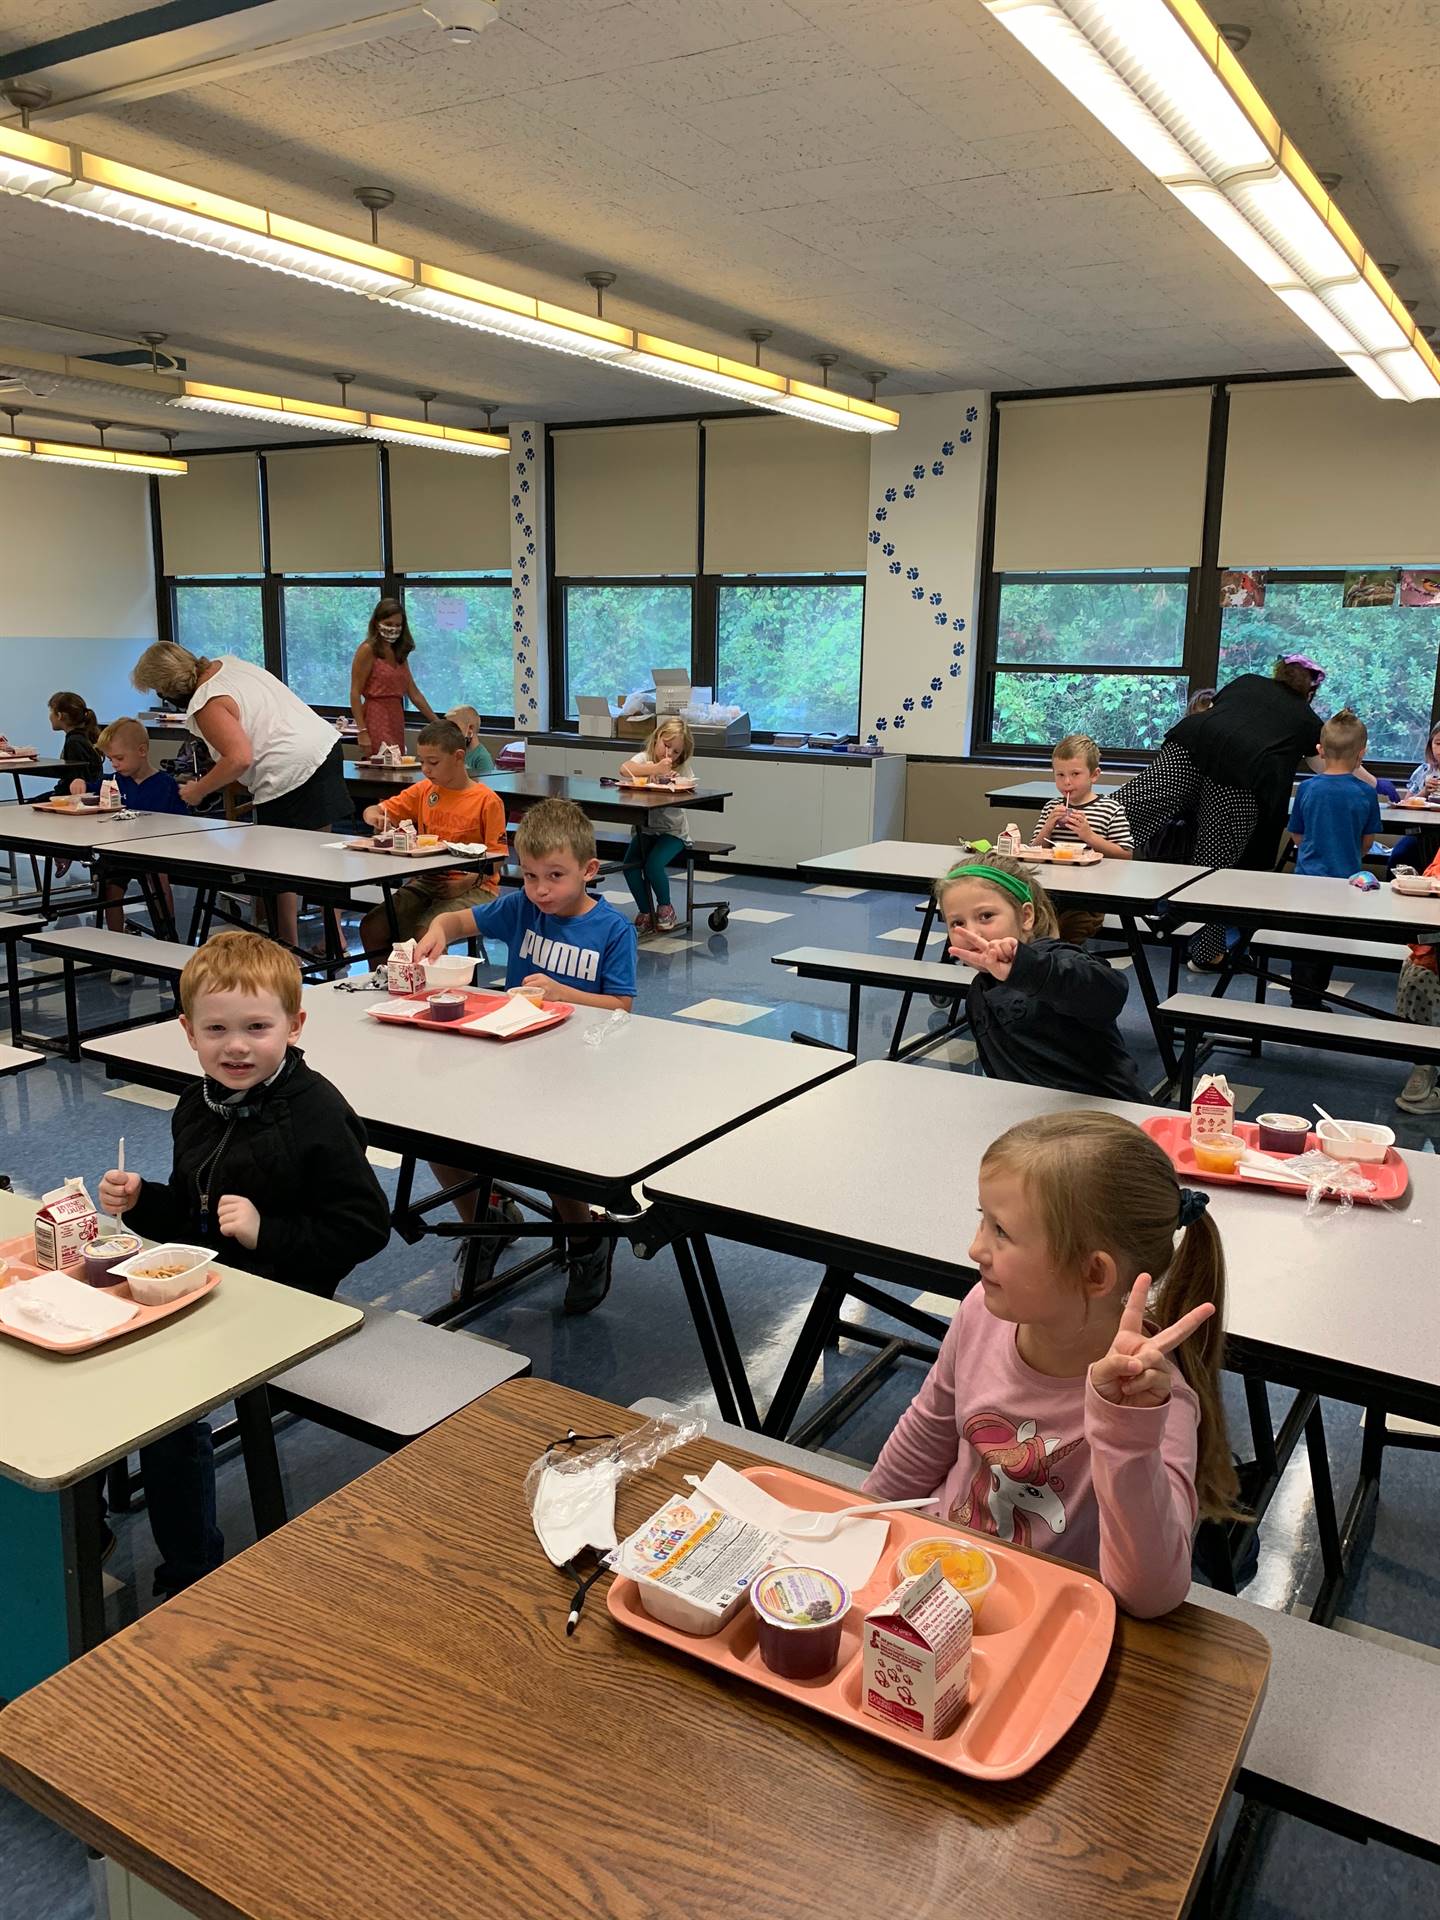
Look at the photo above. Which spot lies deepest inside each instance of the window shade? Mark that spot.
(782, 496)
(1322, 474)
(448, 514)
(324, 510)
(1116, 481)
(626, 500)
(210, 521)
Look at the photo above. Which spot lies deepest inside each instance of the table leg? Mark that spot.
(1262, 1430)
(725, 1331)
(705, 1333)
(815, 1331)
(12, 989)
(1187, 1065)
(1332, 1553)
(391, 922)
(72, 1011)
(80, 1524)
(852, 1020)
(262, 1463)
(1147, 991)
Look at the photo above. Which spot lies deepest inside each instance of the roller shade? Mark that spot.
(324, 509)
(1322, 474)
(210, 522)
(448, 514)
(1112, 482)
(782, 497)
(626, 500)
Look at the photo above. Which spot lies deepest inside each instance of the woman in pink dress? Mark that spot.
(381, 680)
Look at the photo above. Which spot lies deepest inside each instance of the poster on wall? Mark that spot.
(1420, 587)
(1242, 589)
(1374, 587)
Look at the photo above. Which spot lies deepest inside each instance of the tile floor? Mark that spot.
(59, 1119)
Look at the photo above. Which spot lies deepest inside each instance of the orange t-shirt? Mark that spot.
(472, 813)
(1426, 956)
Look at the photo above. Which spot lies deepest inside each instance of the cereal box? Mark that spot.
(917, 1656)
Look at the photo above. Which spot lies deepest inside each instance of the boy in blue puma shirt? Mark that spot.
(563, 940)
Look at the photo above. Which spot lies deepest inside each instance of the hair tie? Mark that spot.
(1192, 1204)
(1018, 888)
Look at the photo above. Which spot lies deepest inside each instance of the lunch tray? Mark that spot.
(1041, 1642)
(464, 849)
(556, 1011)
(1172, 1131)
(391, 766)
(21, 1266)
(1089, 858)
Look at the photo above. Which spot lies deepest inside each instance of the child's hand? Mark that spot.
(374, 816)
(119, 1191)
(1134, 1373)
(77, 787)
(1078, 824)
(435, 939)
(238, 1220)
(552, 989)
(995, 957)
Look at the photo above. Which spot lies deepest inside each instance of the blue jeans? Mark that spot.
(179, 1476)
(647, 860)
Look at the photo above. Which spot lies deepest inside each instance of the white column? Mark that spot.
(922, 582)
(529, 596)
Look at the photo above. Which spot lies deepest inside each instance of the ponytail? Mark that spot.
(1194, 1278)
(77, 716)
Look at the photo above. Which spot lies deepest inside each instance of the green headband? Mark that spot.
(1012, 885)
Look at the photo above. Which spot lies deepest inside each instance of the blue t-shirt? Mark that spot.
(1333, 813)
(594, 951)
(158, 794)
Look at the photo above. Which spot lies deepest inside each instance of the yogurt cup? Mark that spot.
(799, 1612)
(447, 1006)
(1283, 1133)
(537, 994)
(106, 1252)
(1218, 1153)
(969, 1569)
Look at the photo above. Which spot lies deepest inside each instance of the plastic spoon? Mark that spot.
(799, 1524)
(120, 1168)
(1344, 1131)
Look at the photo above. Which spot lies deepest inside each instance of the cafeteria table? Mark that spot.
(66, 1417)
(563, 1111)
(629, 806)
(1131, 890)
(88, 836)
(1032, 796)
(394, 1721)
(874, 1174)
(268, 861)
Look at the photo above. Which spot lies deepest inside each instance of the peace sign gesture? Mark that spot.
(995, 957)
(1133, 1373)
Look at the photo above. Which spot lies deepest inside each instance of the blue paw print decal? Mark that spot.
(958, 623)
(936, 599)
(525, 436)
(971, 413)
(966, 435)
(936, 684)
(530, 546)
(889, 493)
(881, 724)
(918, 472)
(514, 499)
(894, 566)
(940, 620)
(956, 670)
(918, 591)
(874, 538)
(888, 548)
(927, 700)
(938, 467)
(528, 531)
(910, 492)
(519, 519)
(947, 447)
(912, 573)
(899, 719)
(958, 648)
(880, 514)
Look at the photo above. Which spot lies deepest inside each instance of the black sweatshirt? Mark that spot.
(1052, 1023)
(82, 761)
(296, 1151)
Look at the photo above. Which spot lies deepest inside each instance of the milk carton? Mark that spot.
(109, 793)
(1008, 840)
(917, 1656)
(65, 1225)
(403, 972)
(1212, 1111)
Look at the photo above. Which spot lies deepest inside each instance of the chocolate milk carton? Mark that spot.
(1212, 1111)
(65, 1225)
(917, 1656)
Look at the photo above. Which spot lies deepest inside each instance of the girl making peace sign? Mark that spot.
(1075, 1404)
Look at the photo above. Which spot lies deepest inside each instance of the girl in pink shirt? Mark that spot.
(1055, 1417)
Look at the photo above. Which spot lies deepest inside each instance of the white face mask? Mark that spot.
(573, 1511)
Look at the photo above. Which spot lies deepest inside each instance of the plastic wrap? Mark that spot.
(605, 1464)
(608, 1029)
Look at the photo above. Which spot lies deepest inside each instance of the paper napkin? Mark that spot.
(851, 1556)
(514, 1017)
(58, 1308)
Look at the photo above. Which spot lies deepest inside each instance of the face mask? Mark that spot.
(575, 1511)
(390, 633)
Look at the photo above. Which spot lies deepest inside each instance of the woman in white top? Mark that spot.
(258, 732)
(653, 847)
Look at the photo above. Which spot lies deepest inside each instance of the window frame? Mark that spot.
(381, 586)
(496, 582)
(714, 584)
(560, 584)
(216, 582)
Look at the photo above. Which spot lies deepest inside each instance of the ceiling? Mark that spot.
(891, 180)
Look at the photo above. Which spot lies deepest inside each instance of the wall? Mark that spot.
(927, 488)
(78, 600)
(945, 799)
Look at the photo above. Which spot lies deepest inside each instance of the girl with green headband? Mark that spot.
(1042, 1011)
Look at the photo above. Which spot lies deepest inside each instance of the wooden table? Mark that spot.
(393, 1722)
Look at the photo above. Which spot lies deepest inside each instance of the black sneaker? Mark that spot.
(589, 1277)
(489, 1250)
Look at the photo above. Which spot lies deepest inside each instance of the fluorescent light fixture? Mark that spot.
(515, 316)
(30, 165)
(1157, 75)
(271, 407)
(426, 433)
(11, 448)
(708, 372)
(61, 453)
(830, 409)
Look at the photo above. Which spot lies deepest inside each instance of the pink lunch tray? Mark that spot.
(21, 1266)
(556, 1012)
(1041, 1642)
(1089, 858)
(424, 853)
(1172, 1131)
(656, 786)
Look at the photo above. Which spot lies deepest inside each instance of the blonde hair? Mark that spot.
(168, 670)
(1047, 921)
(672, 724)
(241, 962)
(1078, 746)
(464, 717)
(1099, 1184)
(125, 728)
(1344, 736)
(555, 826)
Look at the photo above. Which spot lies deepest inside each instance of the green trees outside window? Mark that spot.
(213, 618)
(790, 655)
(616, 635)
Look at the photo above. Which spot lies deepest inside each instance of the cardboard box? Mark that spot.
(672, 689)
(736, 733)
(596, 718)
(65, 1224)
(917, 1656)
(639, 728)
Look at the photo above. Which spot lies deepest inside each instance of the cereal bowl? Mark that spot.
(451, 970)
(1366, 1141)
(162, 1274)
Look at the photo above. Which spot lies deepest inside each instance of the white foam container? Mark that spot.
(152, 1292)
(1367, 1142)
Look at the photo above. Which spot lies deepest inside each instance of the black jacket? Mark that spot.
(1052, 1023)
(296, 1151)
(82, 762)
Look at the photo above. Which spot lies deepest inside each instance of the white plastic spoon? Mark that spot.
(801, 1525)
(1345, 1133)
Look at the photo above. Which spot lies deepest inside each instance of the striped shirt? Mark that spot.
(1104, 813)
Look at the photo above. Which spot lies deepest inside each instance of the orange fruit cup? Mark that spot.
(1218, 1153)
(969, 1569)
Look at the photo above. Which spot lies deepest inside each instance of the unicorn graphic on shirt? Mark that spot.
(1016, 1484)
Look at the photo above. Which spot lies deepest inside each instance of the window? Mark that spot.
(616, 634)
(323, 626)
(462, 643)
(1381, 660)
(1101, 654)
(214, 617)
(790, 654)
